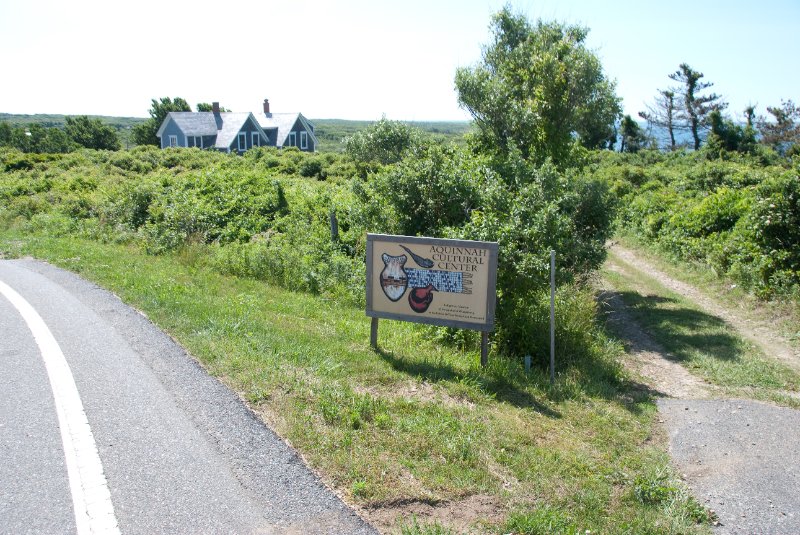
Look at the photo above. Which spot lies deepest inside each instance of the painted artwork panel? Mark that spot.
(428, 280)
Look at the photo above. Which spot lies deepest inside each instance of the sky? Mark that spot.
(364, 59)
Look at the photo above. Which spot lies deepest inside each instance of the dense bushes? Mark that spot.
(739, 215)
(527, 209)
(167, 199)
(266, 214)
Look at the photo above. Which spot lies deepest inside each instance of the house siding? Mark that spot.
(247, 128)
(272, 137)
(297, 127)
(172, 129)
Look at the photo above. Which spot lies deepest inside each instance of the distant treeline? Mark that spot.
(330, 132)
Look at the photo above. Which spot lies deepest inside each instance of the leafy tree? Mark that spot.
(92, 133)
(6, 131)
(633, 138)
(384, 142)
(205, 106)
(537, 89)
(728, 136)
(437, 188)
(783, 131)
(750, 115)
(663, 114)
(695, 108)
(145, 133)
(35, 138)
(54, 140)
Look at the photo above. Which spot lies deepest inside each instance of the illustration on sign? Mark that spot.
(444, 282)
(396, 278)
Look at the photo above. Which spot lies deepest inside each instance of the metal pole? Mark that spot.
(552, 317)
(373, 333)
(484, 348)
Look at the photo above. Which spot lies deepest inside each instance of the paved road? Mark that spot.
(176, 450)
(741, 458)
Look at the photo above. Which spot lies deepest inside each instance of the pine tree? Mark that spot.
(663, 114)
(695, 108)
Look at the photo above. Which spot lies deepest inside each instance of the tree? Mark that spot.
(633, 138)
(35, 138)
(6, 131)
(145, 133)
(537, 89)
(695, 108)
(663, 114)
(783, 131)
(384, 142)
(750, 115)
(92, 133)
(727, 136)
(205, 106)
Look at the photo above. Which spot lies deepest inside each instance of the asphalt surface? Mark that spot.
(741, 458)
(181, 453)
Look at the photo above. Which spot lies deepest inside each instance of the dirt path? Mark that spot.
(663, 374)
(757, 331)
(739, 457)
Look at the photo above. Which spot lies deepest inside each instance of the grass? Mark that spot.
(414, 421)
(783, 314)
(705, 344)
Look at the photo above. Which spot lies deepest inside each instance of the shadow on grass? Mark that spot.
(681, 331)
(501, 388)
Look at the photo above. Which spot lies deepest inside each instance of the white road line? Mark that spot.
(91, 499)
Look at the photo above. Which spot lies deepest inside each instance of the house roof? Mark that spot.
(231, 125)
(191, 123)
(204, 123)
(284, 122)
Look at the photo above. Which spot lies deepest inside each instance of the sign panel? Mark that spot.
(427, 280)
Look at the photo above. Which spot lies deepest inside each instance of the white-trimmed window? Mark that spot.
(303, 140)
(198, 142)
(292, 142)
(242, 141)
(255, 140)
(173, 140)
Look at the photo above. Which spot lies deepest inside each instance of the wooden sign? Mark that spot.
(450, 283)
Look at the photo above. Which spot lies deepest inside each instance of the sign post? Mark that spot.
(450, 283)
(552, 317)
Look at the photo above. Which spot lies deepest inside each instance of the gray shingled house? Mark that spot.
(228, 131)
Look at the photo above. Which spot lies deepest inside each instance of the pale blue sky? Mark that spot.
(361, 59)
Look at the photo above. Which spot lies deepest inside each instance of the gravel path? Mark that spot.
(741, 458)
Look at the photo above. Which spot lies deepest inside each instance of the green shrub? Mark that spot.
(739, 216)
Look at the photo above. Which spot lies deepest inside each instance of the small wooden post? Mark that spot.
(334, 227)
(484, 348)
(373, 334)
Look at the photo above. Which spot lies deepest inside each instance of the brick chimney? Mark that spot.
(215, 108)
(266, 106)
